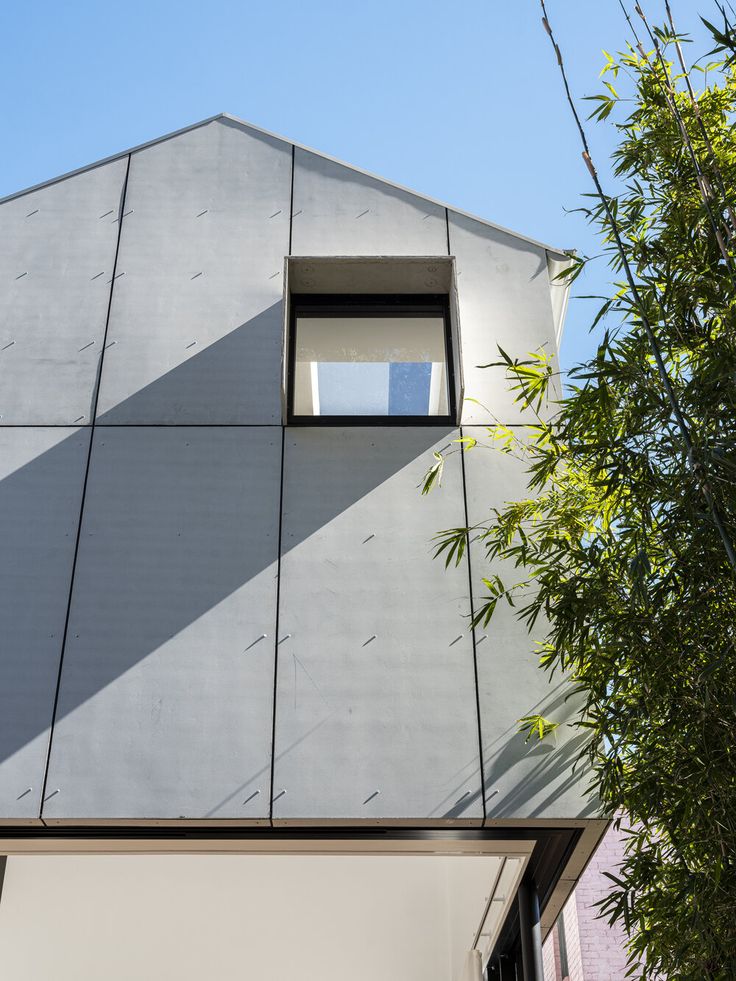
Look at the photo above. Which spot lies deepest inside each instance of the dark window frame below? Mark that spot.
(371, 305)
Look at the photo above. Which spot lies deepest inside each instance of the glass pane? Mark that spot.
(370, 366)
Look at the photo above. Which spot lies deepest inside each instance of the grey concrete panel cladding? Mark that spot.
(57, 249)
(165, 705)
(200, 272)
(338, 211)
(41, 479)
(165, 702)
(522, 779)
(375, 716)
(503, 299)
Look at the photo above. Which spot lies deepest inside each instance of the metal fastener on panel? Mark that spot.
(203, 212)
(280, 794)
(275, 213)
(31, 213)
(25, 793)
(371, 796)
(256, 641)
(255, 792)
(369, 640)
(372, 535)
(21, 275)
(459, 637)
(52, 794)
(363, 213)
(196, 275)
(8, 345)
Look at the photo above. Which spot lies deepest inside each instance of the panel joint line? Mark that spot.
(91, 428)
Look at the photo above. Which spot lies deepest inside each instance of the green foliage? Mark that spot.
(537, 727)
(434, 474)
(622, 544)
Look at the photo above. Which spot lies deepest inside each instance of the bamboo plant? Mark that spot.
(625, 541)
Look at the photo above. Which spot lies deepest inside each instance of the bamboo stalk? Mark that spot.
(670, 97)
(696, 110)
(696, 466)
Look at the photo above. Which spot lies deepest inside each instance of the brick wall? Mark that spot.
(595, 950)
(602, 946)
(550, 958)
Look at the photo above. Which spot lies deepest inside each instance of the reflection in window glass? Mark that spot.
(370, 366)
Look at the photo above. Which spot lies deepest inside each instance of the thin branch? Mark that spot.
(699, 118)
(703, 184)
(671, 101)
(695, 465)
(639, 47)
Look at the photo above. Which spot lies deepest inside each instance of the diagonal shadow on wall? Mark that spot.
(176, 520)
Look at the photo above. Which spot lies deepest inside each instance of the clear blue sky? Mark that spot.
(461, 101)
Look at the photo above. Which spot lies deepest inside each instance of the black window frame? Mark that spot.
(370, 305)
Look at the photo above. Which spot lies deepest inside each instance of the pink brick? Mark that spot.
(595, 950)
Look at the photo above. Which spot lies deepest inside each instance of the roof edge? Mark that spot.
(554, 250)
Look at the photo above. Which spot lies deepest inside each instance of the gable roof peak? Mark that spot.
(553, 250)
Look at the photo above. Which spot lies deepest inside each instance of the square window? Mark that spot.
(378, 358)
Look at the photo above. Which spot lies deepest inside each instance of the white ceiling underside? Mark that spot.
(326, 917)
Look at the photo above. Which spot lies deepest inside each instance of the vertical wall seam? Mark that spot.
(291, 196)
(276, 635)
(121, 219)
(470, 587)
(281, 525)
(91, 428)
(481, 761)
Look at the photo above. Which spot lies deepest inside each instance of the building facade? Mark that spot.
(226, 363)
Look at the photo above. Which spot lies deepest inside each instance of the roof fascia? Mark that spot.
(106, 160)
(401, 187)
(553, 250)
